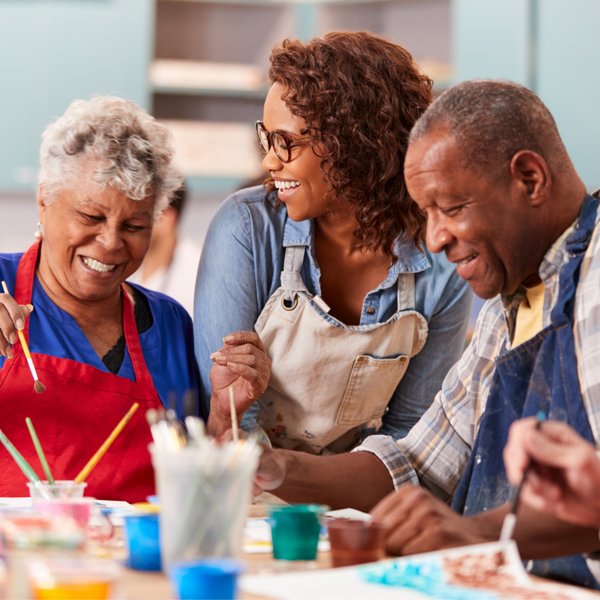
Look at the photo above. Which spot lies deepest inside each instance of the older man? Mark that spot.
(504, 202)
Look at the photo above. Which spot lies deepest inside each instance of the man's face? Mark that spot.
(481, 223)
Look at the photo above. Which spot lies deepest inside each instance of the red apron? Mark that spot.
(76, 413)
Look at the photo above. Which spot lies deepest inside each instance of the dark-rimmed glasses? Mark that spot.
(282, 142)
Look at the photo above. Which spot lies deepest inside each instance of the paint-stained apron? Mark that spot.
(78, 410)
(328, 379)
(540, 374)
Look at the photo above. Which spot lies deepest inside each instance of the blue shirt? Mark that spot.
(240, 269)
(167, 345)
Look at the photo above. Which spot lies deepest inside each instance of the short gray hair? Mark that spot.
(129, 151)
(492, 120)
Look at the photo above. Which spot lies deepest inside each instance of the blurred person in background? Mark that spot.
(326, 262)
(98, 344)
(171, 262)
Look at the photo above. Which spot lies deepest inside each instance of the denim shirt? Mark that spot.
(240, 269)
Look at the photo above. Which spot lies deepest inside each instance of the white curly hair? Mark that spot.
(128, 150)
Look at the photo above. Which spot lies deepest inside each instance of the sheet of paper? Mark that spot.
(481, 572)
(25, 502)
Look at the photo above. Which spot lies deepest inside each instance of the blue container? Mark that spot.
(143, 541)
(207, 578)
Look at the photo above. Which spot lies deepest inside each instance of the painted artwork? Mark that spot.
(481, 572)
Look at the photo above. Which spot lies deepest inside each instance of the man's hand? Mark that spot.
(419, 522)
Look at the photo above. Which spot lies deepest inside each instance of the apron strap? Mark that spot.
(291, 280)
(406, 291)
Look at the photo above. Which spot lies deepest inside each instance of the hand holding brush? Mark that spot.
(510, 519)
(565, 479)
(13, 316)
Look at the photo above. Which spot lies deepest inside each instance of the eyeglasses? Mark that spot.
(282, 143)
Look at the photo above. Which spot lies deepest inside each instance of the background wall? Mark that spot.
(52, 51)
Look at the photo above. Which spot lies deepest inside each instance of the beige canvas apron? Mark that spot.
(329, 379)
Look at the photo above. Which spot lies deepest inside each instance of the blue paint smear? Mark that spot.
(425, 577)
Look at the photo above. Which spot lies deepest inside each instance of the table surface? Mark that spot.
(156, 586)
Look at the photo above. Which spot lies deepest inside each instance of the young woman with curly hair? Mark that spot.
(325, 260)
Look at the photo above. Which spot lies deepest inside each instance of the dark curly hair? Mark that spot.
(360, 96)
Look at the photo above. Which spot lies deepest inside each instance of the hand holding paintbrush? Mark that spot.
(510, 519)
(38, 386)
(565, 479)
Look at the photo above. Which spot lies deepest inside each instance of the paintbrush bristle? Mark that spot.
(39, 387)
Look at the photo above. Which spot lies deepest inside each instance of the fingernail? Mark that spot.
(30, 307)
(9, 353)
(12, 338)
(229, 338)
(217, 356)
(19, 323)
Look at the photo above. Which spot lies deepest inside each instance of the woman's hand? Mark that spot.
(12, 318)
(564, 478)
(242, 363)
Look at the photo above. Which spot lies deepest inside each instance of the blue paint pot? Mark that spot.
(143, 541)
(207, 578)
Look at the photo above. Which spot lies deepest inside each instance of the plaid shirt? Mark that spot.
(435, 452)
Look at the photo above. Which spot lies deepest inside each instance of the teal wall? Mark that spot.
(52, 52)
(549, 45)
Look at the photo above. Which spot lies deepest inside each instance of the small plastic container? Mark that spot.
(204, 579)
(295, 530)
(73, 577)
(60, 490)
(142, 539)
(355, 541)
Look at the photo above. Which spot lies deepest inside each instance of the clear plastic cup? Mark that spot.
(204, 497)
(84, 511)
(60, 489)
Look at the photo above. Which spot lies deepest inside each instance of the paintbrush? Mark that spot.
(106, 445)
(234, 423)
(510, 520)
(38, 386)
(39, 450)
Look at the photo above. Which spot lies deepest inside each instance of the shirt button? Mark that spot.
(370, 310)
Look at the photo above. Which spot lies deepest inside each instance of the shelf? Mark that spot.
(204, 78)
(215, 151)
(284, 2)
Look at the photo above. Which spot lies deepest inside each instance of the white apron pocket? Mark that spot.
(370, 386)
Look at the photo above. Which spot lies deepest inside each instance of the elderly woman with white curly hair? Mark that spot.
(98, 344)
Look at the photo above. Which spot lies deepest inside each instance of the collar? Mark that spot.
(550, 266)
(409, 258)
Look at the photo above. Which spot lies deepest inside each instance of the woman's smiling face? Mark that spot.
(300, 183)
(93, 239)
